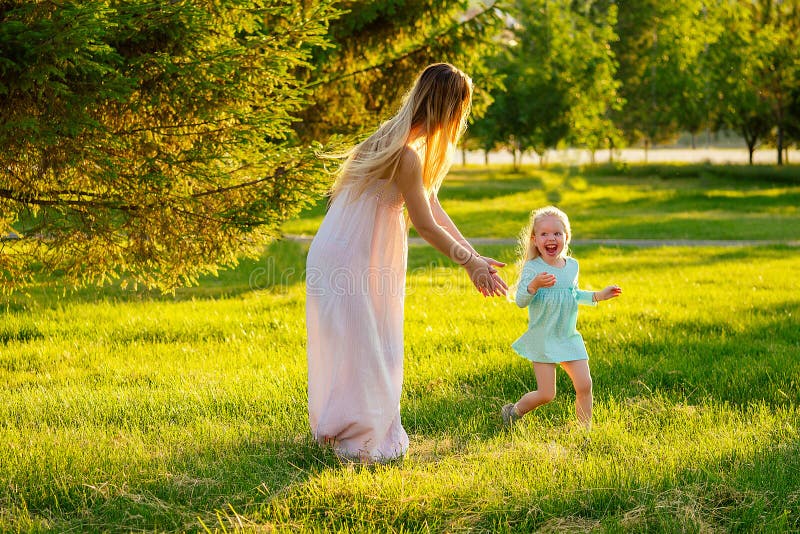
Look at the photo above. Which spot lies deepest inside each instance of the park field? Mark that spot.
(130, 411)
(646, 201)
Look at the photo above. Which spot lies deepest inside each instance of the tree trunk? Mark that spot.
(463, 156)
(646, 148)
(751, 141)
(610, 150)
(780, 145)
(486, 157)
(693, 145)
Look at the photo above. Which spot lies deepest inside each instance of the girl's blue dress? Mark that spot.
(552, 336)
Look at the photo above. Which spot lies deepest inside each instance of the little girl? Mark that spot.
(548, 286)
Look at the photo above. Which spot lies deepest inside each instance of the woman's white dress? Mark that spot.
(355, 288)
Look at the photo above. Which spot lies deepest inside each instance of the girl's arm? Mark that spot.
(523, 296)
(585, 297)
(607, 293)
(535, 282)
(593, 297)
(588, 298)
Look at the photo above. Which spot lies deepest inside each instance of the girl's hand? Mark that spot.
(485, 277)
(607, 293)
(544, 279)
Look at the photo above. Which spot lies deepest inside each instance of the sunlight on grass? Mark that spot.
(495, 203)
(169, 413)
(129, 410)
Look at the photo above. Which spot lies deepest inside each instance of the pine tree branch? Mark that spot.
(278, 173)
(418, 48)
(55, 198)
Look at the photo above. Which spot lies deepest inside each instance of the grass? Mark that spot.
(124, 411)
(657, 202)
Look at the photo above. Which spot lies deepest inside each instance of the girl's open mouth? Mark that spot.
(551, 249)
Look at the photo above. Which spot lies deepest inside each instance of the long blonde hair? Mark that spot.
(438, 106)
(527, 247)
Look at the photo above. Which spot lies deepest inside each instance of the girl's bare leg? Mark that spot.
(545, 388)
(578, 371)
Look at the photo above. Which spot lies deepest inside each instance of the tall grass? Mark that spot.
(122, 412)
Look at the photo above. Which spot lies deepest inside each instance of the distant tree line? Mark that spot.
(152, 142)
(604, 73)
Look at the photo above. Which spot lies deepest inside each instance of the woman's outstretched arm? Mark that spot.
(444, 220)
(409, 180)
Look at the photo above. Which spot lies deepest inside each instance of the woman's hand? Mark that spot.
(484, 276)
(492, 264)
(543, 279)
(607, 293)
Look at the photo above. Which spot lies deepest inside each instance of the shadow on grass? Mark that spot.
(279, 270)
(683, 256)
(488, 189)
(713, 359)
(281, 266)
(731, 491)
(755, 174)
(734, 492)
(180, 490)
(700, 200)
(687, 362)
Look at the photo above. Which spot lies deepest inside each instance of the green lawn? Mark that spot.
(123, 411)
(669, 202)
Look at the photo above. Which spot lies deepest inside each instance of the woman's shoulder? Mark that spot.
(409, 167)
(410, 158)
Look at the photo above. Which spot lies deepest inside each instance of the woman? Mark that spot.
(355, 272)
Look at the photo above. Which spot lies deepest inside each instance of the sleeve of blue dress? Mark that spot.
(523, 298)
(583, 296)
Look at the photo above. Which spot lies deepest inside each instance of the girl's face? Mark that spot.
(549, 236)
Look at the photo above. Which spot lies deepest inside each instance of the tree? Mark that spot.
(558, 73)
(793, 120)
(379, 47)
(593, 87)
(479, 137)
(735, 99)
(660, 41)
(695, 109)
(150, 141)
(755, 70)
(776, 36)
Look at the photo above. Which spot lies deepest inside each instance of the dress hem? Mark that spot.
(547, 360)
